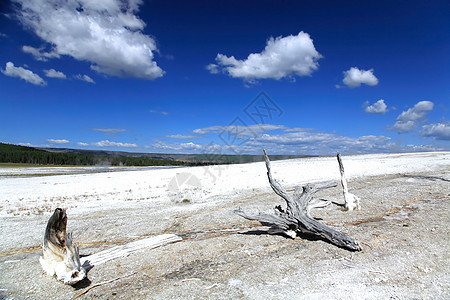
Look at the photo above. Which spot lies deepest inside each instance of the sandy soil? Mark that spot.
(403, 228)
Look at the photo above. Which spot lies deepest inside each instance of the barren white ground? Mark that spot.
(403, 228)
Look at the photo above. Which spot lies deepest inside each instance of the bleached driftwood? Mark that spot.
(61, 256)
(124, 250)
(296, 219)
(352, 202)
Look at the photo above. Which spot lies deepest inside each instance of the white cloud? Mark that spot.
(24, 74)
(241, 132)
(39, 54)
(110, 130)
(179, 147)
(378, 107)
(33, 145)
(190, 145)
(82, 144)
(84, 78)
(181, 136)
(213, 68)
(285, 140)
(323, 143)
(410, 119)
(282, 139)
(308, 141)
(248, 130)
(53, 141)
(158, 112)
(106, 33)
(282, 57)
(302, 142)
(55, 74)
(355, 77)
(107, 143)
(438, 131)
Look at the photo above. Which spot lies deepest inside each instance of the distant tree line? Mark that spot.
(28, 155)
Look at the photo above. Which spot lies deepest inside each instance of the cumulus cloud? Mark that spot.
(107, 143)
(282, 57)
(378, 107)
(286, 140)
(410, 119)
(189, 147)
(84, 78)
(52, 73)
(282, 139)
(308, 141)
(24, 74)
(106, 33)
(438, 131)
(213, 68)
(39, 54)
(355, 77)
(53, 141)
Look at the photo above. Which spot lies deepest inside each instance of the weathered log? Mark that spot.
(296, 219)
(124, 250)
(352, 202)
(61, 256)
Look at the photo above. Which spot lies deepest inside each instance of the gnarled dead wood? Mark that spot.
(351, 201)
(296, 218)
(61, 257)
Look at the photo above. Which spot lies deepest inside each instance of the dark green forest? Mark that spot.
(74, 157)
(28, 155)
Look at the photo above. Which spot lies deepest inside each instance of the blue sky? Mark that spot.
(293, 77)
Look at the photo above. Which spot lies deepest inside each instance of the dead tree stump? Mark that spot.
(61, 257)
(352, 202)
(296, 219)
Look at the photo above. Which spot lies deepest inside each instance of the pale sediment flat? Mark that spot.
(111, 188)
(227, 257)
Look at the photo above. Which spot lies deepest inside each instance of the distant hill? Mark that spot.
(191, 158)
(64, 156)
